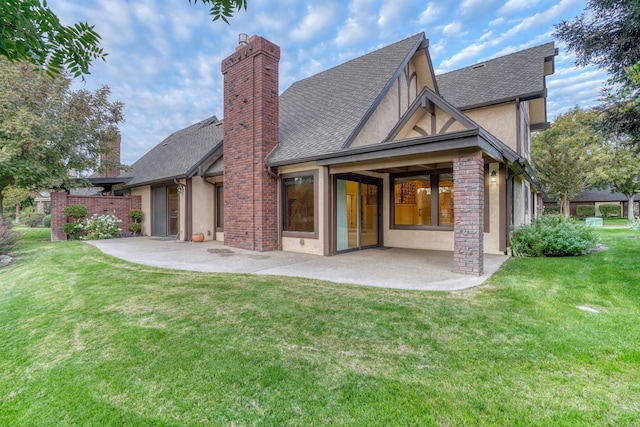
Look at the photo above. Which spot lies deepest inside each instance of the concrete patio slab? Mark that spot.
(382, 267)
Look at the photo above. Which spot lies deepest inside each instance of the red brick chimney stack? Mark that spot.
(112, 159)
(250, 132)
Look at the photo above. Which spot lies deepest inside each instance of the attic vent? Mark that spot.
(478, 66)
(219, 124)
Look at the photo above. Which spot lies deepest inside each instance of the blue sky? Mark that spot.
(164, 55)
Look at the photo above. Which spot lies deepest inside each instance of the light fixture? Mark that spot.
(494, 177)
(243, 39)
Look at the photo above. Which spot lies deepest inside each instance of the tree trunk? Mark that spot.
(630, 215)
(565, 206)
(1, 198)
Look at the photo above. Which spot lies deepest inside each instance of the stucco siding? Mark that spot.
(145, 194)
(202, 207)
(499, 120)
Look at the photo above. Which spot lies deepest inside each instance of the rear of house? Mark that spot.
(377, 151)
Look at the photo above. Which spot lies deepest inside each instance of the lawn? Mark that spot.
(86, 339)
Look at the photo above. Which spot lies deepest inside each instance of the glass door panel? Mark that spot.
(174, 223)
(357, 214)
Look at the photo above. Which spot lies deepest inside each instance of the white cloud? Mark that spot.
(472, 7)
(513, 6)
(359, 25)
(431, 14)
(464, 55)
(454, 29)
(317, 19)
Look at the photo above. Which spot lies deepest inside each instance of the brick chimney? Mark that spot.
(250, 132)
(111, 159)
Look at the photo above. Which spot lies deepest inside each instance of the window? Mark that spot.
(424, 199)
(299, 199)
(220, 207)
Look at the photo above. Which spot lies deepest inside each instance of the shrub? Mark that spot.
(73, 229)
(46, 221)
(8, 238)
(75, 211)
(552, 236)
(583, 211)
(551, 210)
(635, 224)
(101, 227)
(135, 215)
(31, 219)
(135, 227)
(609, 210)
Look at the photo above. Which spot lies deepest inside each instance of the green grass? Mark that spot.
(620, 221)
(86, 339)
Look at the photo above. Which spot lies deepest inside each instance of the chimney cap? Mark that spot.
(242, 39)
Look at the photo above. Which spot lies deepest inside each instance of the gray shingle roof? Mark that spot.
(320, 113)
(508, 77)
(178, 154)
(597, 196)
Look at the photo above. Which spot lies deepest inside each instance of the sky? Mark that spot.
(165, 55)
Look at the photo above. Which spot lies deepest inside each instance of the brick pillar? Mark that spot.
(468, 206)
(58, 203)
(250, 132)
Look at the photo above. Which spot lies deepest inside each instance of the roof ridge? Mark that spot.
(496, 58)
(359, 57)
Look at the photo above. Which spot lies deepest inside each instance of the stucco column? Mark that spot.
(468, 205)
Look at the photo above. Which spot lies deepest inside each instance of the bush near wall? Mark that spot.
(583, 211)
(552, 236)
(609, 210)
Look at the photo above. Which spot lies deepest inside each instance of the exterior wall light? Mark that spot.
(494, 177)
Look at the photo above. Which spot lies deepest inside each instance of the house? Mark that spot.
(596, 198)
(377, 151)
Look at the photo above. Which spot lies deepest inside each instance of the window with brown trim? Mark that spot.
(422, 200)
(299, 203)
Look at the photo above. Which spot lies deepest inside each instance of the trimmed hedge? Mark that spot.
(583, 211)
(610, 210)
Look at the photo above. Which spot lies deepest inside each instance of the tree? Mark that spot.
(223, 9)
(30, 31)
(607, 35)
(561, 155)
(618, 168)
(47, 130)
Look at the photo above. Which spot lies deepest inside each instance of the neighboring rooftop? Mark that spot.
(178, 154)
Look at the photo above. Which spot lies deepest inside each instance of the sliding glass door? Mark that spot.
(357, 213)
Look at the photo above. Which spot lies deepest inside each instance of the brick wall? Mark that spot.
(468, 201)
(118, 206)
(250, 133)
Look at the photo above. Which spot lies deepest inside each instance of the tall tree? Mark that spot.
(561, 155)
(47, 130)
(607, 35)
(618, 168)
